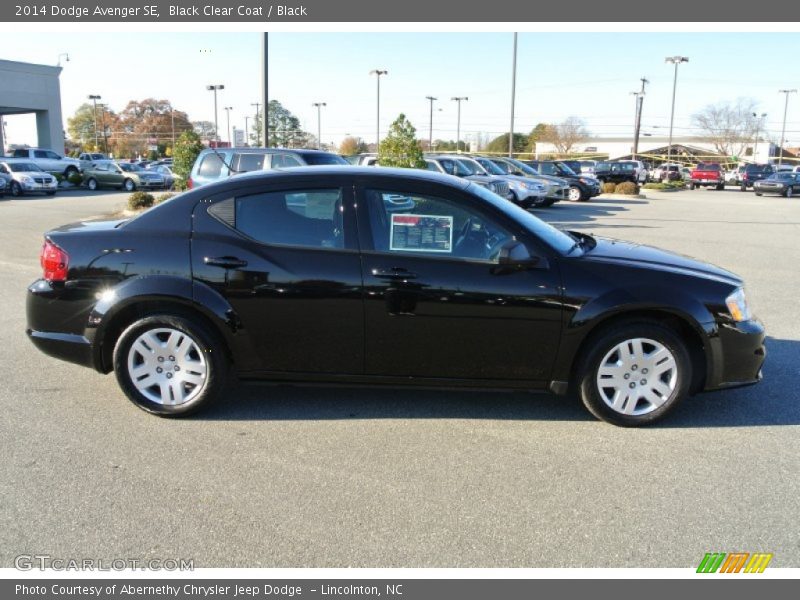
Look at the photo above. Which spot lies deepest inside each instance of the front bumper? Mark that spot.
(738, 353)
(769, 189)
(151, 184)
(39, 187)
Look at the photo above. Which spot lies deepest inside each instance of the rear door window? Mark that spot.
(248, 162)
(211, 166)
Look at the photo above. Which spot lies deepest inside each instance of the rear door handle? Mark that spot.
(393, 273)
(226, 262)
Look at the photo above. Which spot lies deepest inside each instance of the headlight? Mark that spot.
(737, 306)
(26, 179)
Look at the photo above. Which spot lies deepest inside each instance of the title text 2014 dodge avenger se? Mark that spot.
(363, 275)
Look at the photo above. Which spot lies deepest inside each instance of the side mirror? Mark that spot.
(514, 256)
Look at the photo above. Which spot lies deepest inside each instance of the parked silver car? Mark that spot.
(557, 188)
(28, 177)
(449, 164)
(524, 192)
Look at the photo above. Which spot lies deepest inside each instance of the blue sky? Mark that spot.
(589, 75)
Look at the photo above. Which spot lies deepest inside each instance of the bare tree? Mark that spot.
(729, 126)
(565, 135)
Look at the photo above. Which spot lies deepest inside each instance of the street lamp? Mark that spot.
(319, 106)
(66, 58)
(458, 99)
(758, 119)
(513, 98)
(675, 60)
(258, 137)
(228, 110)
(783, 130)
(215, 88)
(103, 125)
(94, 98)
(430, 125)
(246, 131)
(378, 73)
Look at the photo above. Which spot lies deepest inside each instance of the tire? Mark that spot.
(758, 193)
(692, 186)
(743, 188)
(193, 365)
(91, 183)
(69, 171)
(128, 185)
(575, 194)
(720, 187)
(16, 189)
(789, 192)
(650, 346)
(50, 193)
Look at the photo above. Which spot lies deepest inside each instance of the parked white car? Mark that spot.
(27, 177)
(49, 161)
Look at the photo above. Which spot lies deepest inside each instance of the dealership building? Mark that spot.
(28, 88)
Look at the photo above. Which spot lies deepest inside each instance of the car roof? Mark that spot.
(351, 170)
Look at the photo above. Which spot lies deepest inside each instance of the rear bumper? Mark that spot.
(64, 346)
(738, 355)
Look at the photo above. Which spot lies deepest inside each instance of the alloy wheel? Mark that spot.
(637, 376)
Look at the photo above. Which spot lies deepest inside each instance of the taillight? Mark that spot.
(189, 183)
(54, 261)
(744, 176)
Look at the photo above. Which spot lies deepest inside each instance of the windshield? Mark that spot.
(555, 238)
(22, 167)
(490, 167)
(527, 169)
(564, 167)
(782, 176)
(131, 168)
(324, 159)
(472, 167)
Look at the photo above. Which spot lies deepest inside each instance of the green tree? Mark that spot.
(535, 135)
(187, 147)
(400, 147)
(284, 128)
(499, 145)
(81, 125)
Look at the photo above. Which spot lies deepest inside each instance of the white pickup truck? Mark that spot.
(49, 161)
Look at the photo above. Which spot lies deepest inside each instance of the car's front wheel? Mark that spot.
(634, 374)
(16, 189)
(92, 183)
(575, 194)
(129, 185)
(170, 365)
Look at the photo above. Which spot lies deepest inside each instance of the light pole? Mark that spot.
(246, 131)
(215, 88)
(758, 119)
(783, 129)
(172, 118)
(258, 137)
(103, 125)
(675, 60)
(319, 106)
(228, 110)
(94, 98)
(513, 97)
(458, 99)
(378, 73)
(431, 99)
(637, 126)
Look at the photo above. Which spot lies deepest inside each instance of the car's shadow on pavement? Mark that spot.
(772, 402)
(579, 214)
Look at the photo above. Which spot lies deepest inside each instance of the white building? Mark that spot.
(655, 147)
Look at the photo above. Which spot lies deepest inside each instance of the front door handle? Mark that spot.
(226, 262)
(393, 273)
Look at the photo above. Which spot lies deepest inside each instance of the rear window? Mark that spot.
(313, 158)
(758, 169)
(248, 162)
(211, 166)
(708, 167)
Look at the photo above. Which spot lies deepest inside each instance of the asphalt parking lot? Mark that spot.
(342, 477)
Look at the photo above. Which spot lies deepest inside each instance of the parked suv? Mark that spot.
(622, 170)
(581, 188)
(49, 161)
(557, 188)
(220, 163)
(753, 173)
(449, 164)
(526, 192)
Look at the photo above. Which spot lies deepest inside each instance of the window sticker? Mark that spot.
(421, 233)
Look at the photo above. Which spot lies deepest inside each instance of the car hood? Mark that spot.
(550, 179)
(628, 253)
(32, 174)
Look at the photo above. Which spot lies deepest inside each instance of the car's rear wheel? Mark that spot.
(129, 185)
(789, 192)
(743, 188)
(692, 186)
(758, 193)
(70, 171)
(92, 183)
(170, 365)
(635, 373)
(720, 186)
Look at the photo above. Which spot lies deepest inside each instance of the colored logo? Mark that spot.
(735, 562)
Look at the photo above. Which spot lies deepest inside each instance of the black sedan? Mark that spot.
(783, 184)
(392, 276)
